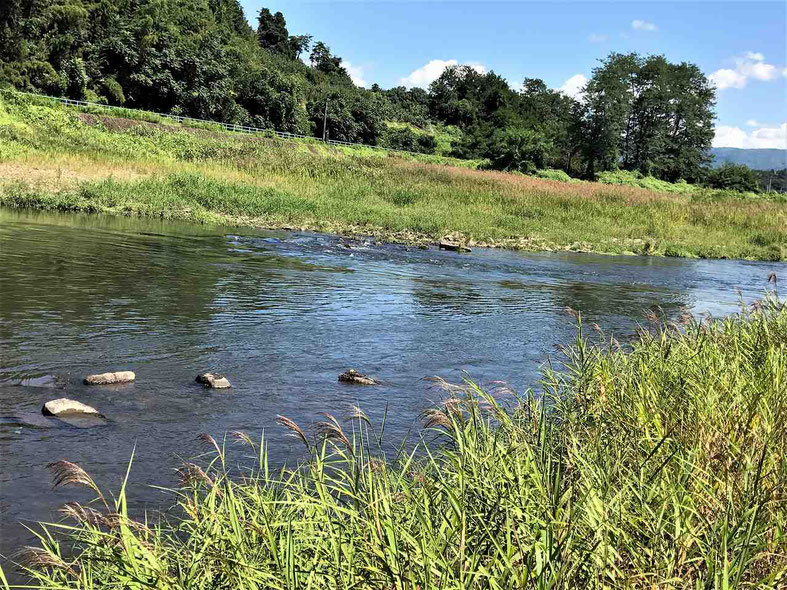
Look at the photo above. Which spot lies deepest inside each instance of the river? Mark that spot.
(281, 314)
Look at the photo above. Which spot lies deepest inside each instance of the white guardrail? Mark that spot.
(226, 126)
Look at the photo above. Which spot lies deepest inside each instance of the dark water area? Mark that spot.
(281, 314)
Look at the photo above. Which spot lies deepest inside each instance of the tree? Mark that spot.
(522, 150)
(607, 103)
(649, 115)
(299, 44)
(465, 97)
(354, 114)
(272, 31)
(405, 138)
(555, 116)
(323, 61)
(272, 34)
(735, 177)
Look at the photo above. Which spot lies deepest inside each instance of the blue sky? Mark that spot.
(741, 45)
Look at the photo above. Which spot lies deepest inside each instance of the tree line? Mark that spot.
(203, 59)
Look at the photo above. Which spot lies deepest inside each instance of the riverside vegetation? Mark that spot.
(59, 159)
(655, 464)
(203, 59)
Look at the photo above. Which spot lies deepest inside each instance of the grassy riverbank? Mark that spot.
(56, 159)
(660, 465)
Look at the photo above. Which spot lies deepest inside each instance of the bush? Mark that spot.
(635, 178)
(404, 138)
(520, 150)
(736, 177)
(552, 174)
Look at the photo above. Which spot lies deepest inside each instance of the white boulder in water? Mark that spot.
(67, 407)
(110, 378)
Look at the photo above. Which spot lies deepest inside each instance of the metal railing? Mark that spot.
(227, 126)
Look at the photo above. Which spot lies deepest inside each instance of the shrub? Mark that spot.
(737, 177)
(404, 138)
(552, 174)
(635, 178)
(520, 150)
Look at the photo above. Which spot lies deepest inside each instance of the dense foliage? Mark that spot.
(660, 464)
(735, 177)
(203, 59)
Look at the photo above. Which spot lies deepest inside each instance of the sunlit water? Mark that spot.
(280, 314)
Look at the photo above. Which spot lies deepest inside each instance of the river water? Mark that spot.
(281, 314)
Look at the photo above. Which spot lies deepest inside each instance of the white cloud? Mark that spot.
(764, 137)
(749, 66)
(574, 85)
(759, 70)
(726, 78)
(430, 72)
(355, 73)
(752, 123)
(643, 25)
(595, 38)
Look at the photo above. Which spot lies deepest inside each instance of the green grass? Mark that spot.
(59, 159)
(655, 465)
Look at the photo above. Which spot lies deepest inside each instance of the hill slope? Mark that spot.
(757, 159)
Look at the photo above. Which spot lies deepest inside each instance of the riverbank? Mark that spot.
(55, 159)
(660, 464)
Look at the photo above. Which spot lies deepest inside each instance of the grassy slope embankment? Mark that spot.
(59, 159)
(659, 467)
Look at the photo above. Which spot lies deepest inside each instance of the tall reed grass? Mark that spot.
(658, 464)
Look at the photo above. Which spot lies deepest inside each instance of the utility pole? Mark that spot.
(325, 122)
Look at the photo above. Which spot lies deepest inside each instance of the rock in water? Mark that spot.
(110, 378)
(213, 380)
(353, 376)
(48, 381)
(455, 246)
(67, 407)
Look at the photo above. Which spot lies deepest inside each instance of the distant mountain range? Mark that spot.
(762, 159)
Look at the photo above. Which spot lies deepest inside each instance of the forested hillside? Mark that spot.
(757, 159)
(202, 58)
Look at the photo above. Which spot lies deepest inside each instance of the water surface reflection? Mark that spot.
(282, 315)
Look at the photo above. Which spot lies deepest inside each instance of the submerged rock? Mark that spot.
(213, 380)
(43, 381)
(28, 420)
(353, 376)
(454, 246)
(83, 420)
(110, 378)
(67, 407)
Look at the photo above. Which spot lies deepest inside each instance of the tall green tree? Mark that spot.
(607, 102)
(324, 61)
(650, 115)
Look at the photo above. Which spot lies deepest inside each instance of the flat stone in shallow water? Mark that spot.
(67, 407)
(45, 381)
(29, 420)
(110, 378)
(83, 420)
